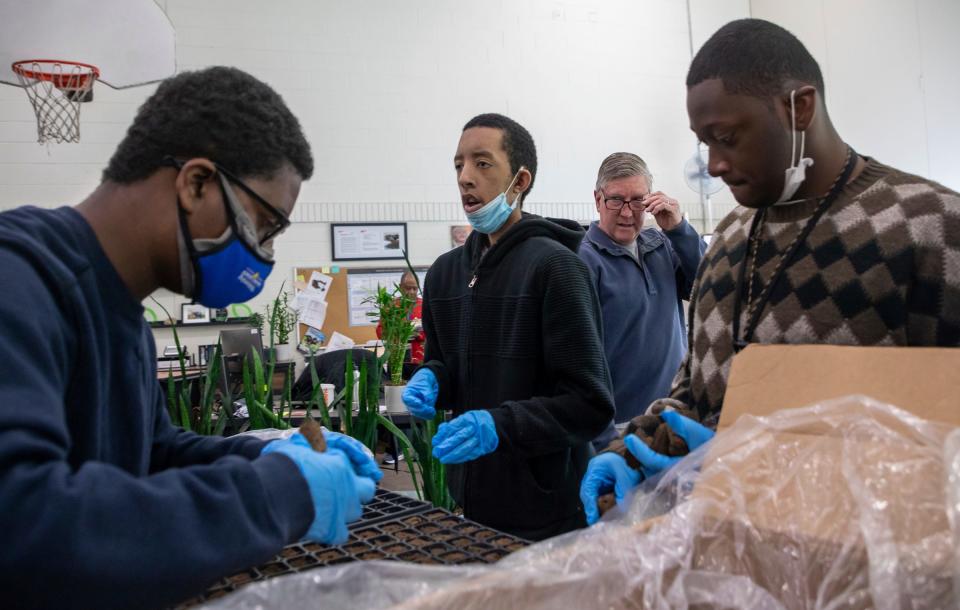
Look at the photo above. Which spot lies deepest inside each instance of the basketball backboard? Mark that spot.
(131, 42)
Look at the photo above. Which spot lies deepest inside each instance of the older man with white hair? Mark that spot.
(642, 275)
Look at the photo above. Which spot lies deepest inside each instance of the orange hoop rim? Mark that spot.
(60, 80)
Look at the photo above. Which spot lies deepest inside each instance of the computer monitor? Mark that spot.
(237, 345)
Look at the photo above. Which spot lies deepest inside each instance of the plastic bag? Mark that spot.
(845, 504)
(270, 434)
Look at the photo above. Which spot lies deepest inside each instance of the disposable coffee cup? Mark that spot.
(329, 391)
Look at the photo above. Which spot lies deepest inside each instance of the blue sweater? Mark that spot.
(641, 303)
(103, 503)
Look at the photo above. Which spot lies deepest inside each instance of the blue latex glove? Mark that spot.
(363, 463)
(465, 438)
(336, 490)
(421, 394)
(606, 472)
(651, 462)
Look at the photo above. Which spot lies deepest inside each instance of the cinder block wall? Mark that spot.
(383, 88)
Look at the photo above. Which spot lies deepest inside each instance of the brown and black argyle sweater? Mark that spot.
(881, 267)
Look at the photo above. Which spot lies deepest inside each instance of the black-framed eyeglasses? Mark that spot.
(615, 204)
(280, 221)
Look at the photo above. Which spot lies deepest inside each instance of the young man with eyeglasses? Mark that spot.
(642, 276)
(104, 503)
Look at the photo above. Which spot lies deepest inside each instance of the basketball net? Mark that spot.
(56, 90)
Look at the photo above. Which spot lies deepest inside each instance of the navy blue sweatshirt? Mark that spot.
(103, 503)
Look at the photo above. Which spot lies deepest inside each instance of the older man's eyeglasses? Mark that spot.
(615, 204)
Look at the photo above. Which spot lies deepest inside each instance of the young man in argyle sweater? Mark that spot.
(840, 249)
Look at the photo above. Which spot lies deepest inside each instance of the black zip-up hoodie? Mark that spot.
(516, 330)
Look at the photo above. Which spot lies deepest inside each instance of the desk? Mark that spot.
(402, 420)
(196, 372)
(193, 372)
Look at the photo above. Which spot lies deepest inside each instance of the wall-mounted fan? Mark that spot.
(699, 179)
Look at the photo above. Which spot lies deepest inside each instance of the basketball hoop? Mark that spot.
(56, 89)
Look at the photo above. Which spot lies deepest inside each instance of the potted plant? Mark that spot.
(211, 414)
(427, 472)
(393, 308)
(255, 320)
(283, 322)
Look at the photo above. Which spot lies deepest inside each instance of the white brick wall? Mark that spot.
(890, 71)
(383, 88)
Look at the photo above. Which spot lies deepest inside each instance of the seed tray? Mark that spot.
(388, 505)
(431, 537)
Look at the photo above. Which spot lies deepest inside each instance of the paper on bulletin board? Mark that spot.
(319, 284)
(339, 341)
(361, 287)
(312, 308)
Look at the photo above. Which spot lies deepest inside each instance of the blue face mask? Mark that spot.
(489, 218)
(229, 269)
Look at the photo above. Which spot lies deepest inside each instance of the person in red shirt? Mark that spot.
(408, 285)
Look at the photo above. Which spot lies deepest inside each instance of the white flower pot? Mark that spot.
(286, 352)
(393, 396)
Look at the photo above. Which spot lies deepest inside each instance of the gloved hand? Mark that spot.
(651, 462)
(363, 462)
(465, 438)
(421, 394)
(336, 490)
(606, 472)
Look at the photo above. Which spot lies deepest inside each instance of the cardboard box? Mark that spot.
(834, 514)
(767, 378)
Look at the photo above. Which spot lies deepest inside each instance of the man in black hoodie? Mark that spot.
(513, 347)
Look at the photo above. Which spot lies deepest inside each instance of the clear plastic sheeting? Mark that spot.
(951, 459)
(841, 505)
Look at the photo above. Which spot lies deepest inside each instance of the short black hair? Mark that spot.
(220, 113)
(754, 57)
(517, 142)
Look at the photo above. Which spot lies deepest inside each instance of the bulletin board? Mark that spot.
(338, 317)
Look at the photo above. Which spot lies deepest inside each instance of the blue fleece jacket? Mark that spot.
(103, 503)
(641, 302)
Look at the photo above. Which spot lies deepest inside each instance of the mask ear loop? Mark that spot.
(793, 132)
(241, 223)
(516, 200)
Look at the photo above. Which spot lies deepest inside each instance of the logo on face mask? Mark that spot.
(251, 279)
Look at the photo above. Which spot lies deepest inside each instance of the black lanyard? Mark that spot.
(764, 296)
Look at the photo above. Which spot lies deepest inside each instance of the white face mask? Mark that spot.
(795, 174)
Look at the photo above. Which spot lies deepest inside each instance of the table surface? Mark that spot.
(194, 372)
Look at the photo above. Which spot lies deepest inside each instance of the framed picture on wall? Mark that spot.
(459, 235)
(194, 313)
(368, 241)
